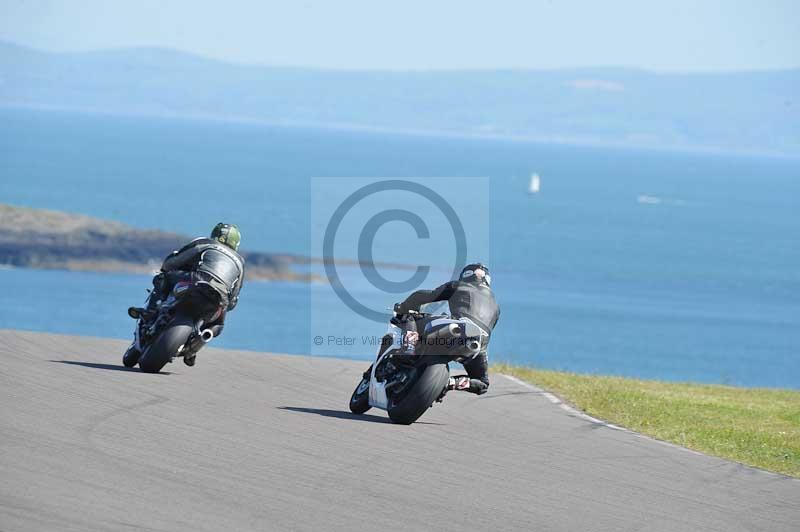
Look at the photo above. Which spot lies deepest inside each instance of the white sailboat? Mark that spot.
(535, 185)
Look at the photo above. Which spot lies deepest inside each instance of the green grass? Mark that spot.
(755, 426)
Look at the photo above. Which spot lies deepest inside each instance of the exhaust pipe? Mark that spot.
(448, 332)
(199, 338)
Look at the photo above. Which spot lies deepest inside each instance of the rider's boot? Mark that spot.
(464, 383)
(458, 383)
(453, 383)
(191, 353)
(410, 343)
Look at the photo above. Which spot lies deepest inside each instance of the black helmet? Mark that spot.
(470, 274)
(227, 234)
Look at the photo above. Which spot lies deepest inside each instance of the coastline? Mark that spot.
(55, 240)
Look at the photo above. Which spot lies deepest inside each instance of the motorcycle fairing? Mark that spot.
(377, 390)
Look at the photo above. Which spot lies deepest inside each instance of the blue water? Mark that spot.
(703, 285)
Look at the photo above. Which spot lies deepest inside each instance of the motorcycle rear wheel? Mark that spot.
(166, 346)
(429, 386)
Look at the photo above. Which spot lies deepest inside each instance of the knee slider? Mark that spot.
(479, 386)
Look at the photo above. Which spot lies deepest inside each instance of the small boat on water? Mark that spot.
(535, 185)
(648, 200)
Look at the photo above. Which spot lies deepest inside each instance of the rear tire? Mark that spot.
(165, 346)
(418, 399)
(359, 401)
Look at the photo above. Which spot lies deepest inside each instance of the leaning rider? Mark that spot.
(470, 297)
(213, 260)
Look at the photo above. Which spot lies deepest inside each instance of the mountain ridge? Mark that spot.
(735, 111)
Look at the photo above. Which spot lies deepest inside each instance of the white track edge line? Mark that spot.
(586, 417)
(564, 406)
(583, 415)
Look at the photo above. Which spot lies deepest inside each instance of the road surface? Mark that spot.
(249, 441)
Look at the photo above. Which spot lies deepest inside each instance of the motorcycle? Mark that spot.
(405, 381)
(174, 328)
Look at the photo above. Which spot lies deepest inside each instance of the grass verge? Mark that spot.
(755, 426)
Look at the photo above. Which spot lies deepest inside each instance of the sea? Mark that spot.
(646, 263)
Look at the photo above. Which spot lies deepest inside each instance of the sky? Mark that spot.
(674, 35)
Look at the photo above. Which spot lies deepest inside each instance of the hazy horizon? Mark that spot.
(198, 55)
(678, 36)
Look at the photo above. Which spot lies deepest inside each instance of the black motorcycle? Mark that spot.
(407, 381)
(174, 328)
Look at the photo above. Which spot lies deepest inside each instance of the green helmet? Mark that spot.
(227, 234)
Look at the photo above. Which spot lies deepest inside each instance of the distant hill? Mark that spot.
(36, 238)
(56, 240)
(745, 111)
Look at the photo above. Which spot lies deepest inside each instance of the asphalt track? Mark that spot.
(248, 441)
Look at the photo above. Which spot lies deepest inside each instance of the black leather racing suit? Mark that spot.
(471, 300)
(203, 259)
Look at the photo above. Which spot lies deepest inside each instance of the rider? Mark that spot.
(469, 297)
(213, 260)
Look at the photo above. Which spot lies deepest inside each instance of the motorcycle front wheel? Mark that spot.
(359, 401)
(131, 357)
(428, 387)
(166, 346)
